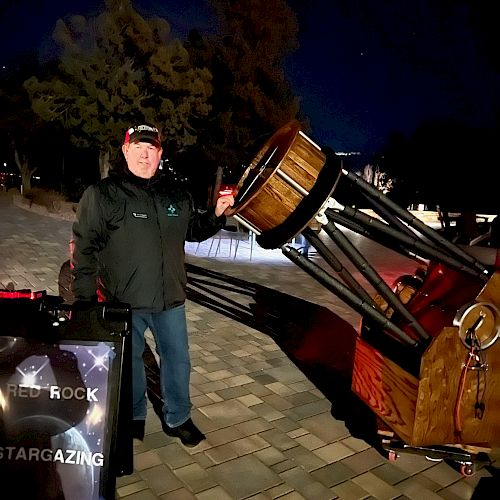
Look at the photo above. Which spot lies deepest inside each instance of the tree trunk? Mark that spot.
(218, 182)
(23, 166)
(104, 165)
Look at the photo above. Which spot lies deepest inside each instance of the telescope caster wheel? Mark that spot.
(392, 456)
(467, 470)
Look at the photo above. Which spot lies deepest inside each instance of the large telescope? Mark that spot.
(427, 360)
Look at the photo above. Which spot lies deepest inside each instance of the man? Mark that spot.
(129, 237)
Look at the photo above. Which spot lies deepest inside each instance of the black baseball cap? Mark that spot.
(143, 133)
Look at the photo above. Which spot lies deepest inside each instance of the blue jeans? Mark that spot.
(170, 332)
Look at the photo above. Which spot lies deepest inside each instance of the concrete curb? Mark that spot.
(66, 212)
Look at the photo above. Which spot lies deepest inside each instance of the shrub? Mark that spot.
(51, 200)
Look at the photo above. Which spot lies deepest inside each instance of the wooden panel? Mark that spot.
(303, 163)
(273, 205)
(439, 376)
(386, 388)
(491, 291)
(441, 368)
(281, 193)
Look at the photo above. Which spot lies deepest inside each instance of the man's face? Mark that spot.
(142, 158)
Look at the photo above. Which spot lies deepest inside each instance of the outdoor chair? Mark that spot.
(234, 235)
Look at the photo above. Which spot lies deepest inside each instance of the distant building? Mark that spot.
(354, 161)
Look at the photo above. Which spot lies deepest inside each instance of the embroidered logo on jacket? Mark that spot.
(172, 211)
(139, 215)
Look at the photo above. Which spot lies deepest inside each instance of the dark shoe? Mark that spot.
(187, 432)
(138, 427)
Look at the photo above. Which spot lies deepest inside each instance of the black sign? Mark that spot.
(59, 402)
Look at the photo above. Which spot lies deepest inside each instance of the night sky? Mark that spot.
(364, 68)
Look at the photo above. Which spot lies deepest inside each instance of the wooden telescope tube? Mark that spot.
(285, 186)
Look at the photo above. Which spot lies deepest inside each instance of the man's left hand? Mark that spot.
(223, 203)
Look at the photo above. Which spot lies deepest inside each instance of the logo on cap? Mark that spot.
(143, 133)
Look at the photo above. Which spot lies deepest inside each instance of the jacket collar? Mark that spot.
(127, 175)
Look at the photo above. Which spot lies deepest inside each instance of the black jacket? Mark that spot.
(130, 233)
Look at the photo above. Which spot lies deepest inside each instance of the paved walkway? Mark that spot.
(270, 431)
